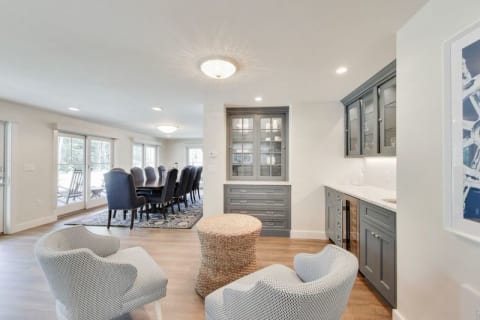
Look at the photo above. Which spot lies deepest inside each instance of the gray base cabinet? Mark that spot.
(378, 249)
(333, 215)
(269, 203)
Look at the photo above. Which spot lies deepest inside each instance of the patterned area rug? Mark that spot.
(186, 219)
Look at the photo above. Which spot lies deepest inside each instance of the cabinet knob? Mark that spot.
(380, 119)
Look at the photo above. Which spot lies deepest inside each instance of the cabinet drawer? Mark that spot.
(256, 203)
(379, 216)
(277, 213)
(274, 223)
(266, 190)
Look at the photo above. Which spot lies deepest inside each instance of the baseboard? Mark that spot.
(396, 315)
(32, 224)
(308, 234)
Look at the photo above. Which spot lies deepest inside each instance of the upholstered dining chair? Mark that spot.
(189, 188)
(91, 279)
(150, 174)
(196, 183)
(162, 173)
(181, 187)
(165, 198)
(138, 175)
(319, 288)
(121, 194)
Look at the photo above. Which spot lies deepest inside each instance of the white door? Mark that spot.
(99, 162)
(2, 174)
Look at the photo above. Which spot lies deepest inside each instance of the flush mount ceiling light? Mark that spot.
(258, 99)
(218, 68)
(167, 128)
(157, 109)
(73, 109)
(341, 70)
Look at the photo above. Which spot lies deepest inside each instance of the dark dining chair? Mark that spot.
(165, 199)
(191, 180)
(196, 183)
(150, 174)
(181, 187)
(121, 194)
(162, 173)
(138, 175)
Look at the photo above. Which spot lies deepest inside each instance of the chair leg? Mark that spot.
(109, 218)
(125, 214)
(191, 197)
(198, 190)
(158, 310)
(178, 204)
(164, 211)
(172, 206)
(194, 198)
(114, 213)
(134, 213)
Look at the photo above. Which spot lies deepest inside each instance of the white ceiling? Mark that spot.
(115, 59)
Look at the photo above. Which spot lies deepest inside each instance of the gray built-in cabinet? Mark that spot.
(269, 203)
(378, 249)
(377, 241)
(370, 116)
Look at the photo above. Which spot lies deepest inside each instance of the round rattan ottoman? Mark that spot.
(227, 243)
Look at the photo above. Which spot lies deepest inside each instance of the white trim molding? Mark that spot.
(308, 234)
(396, 315)
(32, 224)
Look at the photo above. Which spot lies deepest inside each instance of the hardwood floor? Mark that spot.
(24, 293)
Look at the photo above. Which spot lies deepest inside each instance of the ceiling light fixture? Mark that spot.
(167, 128)
(157, 109)
(73, 109)
(218, 68)
(258, 99)
(341, 70)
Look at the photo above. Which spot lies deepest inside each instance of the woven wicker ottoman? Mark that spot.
(228, 250)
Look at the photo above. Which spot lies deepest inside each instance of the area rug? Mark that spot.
(185, 219)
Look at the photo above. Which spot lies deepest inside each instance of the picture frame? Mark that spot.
(462, 133)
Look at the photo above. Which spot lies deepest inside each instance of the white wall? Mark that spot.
(33, 194)
(432, 263)
(316, 158)
(176, 151)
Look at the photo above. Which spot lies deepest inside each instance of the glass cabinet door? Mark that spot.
(271, 147)
(388, 118)
(353, 128)
(242, 146)
(369, 124)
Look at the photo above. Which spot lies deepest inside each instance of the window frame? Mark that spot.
(144, 147)
(257, 114)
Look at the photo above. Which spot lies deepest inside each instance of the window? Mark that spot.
(144, 155)
(257, 143)
(195, 156)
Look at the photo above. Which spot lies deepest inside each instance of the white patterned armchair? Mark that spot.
(92, 279)
(319, 289)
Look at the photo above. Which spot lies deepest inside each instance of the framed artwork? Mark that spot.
(462, 133)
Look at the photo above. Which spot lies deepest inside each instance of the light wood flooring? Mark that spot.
(24, 293)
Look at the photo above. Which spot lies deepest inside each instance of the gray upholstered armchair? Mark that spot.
(92, 279)
(319, 289)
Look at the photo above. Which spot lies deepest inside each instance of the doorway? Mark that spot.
(81, 163)
(3, 179)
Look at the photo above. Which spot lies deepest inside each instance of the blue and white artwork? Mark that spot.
(471, 130)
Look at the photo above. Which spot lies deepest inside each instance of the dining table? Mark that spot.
(152, 185)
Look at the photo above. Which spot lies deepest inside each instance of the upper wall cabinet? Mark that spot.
(370, 116)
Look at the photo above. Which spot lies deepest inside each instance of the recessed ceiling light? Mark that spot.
(167, 128)
(73, 109)
(341, 70)
(218, 68)
(157, 109)
(258, 99)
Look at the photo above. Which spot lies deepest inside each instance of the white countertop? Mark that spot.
(369, 194)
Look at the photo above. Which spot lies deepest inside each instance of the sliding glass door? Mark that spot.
(99, 162)
(81, 163)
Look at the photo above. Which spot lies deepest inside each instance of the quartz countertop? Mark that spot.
(373, 195)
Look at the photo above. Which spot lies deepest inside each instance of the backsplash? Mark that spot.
(380, 172)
